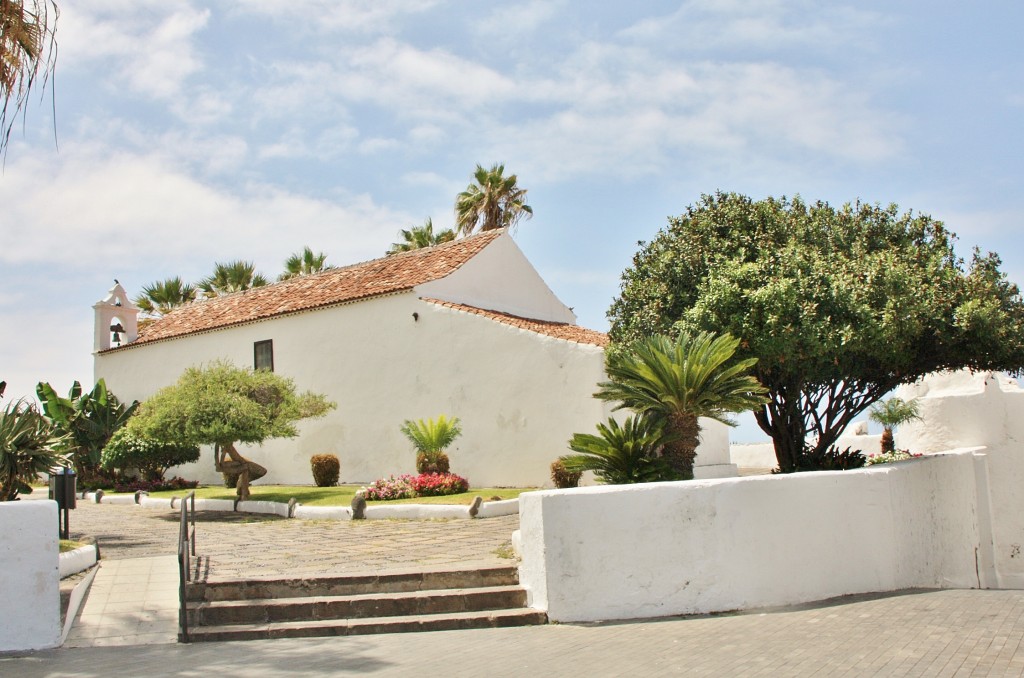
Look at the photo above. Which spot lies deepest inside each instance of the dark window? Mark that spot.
(263, 355)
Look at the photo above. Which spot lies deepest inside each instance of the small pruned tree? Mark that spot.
(30, 444)
(150, 457)
(891, 414)
(221, 405)
(678, 381)
(839, 305)
(624, 454)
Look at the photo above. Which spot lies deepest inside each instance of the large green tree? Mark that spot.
(418, 237)
(28, 53)
(839, 305)
(221, 405)
(677, 381)
(163, 296)
(492, 201)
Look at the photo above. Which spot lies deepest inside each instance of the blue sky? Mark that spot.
(195, 132)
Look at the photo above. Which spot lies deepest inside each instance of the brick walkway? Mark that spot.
(243, 545)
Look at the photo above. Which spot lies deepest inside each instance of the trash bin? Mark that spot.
(62, 490)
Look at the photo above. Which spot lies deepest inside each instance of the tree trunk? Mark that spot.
(246, 470)
(681, 453)
(888, 445)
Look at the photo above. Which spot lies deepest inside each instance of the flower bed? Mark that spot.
(409, 486)
(890, 457)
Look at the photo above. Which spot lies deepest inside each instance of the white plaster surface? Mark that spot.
(30, 585)
(762, 455)
(493, 509)
(661, 549)
(274, 508)
(322, 512)
(72, 562)
(203, 504)
(416, 512)
(117, 499)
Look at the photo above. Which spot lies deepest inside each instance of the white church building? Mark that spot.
(466, 329)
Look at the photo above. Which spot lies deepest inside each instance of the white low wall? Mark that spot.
(30, 582)
(621, 552)
(762, 455)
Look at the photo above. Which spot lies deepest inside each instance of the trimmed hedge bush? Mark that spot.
(563, 477)
(326, 469)
(151, 457)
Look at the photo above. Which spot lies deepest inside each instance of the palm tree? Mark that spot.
(622, 455)
(28, 52)
(680, 381)
(163, 296)
(892, 413)
(231, 277)
(493, 201)
(421, 236)
(304, 263)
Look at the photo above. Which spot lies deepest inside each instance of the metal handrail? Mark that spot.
(186, 551)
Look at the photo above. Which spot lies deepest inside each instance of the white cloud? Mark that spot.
(360, 16)
(508, 23)
(148, 46)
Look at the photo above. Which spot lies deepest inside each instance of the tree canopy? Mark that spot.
(305, 262)
(418, 237)
(839, 306)
(492, 201)
(231, 277)
(28, 54)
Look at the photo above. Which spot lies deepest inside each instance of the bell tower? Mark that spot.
(117, 320)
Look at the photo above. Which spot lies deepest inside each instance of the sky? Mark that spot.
(186, 133)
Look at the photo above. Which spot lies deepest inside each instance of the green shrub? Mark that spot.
(28, 444)
(326, 469)
(630, 453)
(431, 437)
(563, 477)
(127, 450)
(831, 459)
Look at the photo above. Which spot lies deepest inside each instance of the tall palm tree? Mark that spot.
(163, 296)
(892, 413)
(304, 263)
(28, 53)
(679, 381)
(233, 276)
(421, 236)
(492, 201)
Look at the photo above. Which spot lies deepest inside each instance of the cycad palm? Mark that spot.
(163, 296)
(492, 201)
(892, 413)
(419, 237)
(234, 276)
(680, 381)
(304, 263)
(27, 52)
(623, 454)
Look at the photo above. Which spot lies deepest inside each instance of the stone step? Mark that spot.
(351, 627)
(350, 584)
(360, 606)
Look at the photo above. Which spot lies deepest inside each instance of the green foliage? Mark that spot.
(432, 435)
(326, 469)
(894, 412)
(418, 237)
(432, 462)
(220, 404)
(840, 306)
(29, 445)
(832, 459)
(231, 277)
(624, 454)
(28, 55)
(679, 381)
(562, 477)
(88, 419)
(127, 450)
(493, 201)
(305, 262)
(163, 296)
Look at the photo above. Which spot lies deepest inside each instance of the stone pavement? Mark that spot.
(927, 633)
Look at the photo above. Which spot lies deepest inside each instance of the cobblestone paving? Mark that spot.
(244, 545)
(929, 633)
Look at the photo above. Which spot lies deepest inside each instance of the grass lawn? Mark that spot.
(338, 496)
(69, 545)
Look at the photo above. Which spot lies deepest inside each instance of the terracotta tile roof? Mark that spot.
(566, 331)
(386, 275)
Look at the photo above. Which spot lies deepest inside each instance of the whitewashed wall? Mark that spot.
(682, 548)
(762, 455)
(30, 582)
(520, 395)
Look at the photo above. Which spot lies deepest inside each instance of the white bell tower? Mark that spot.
(117, 320)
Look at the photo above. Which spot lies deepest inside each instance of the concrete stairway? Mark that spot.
(357, 604)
